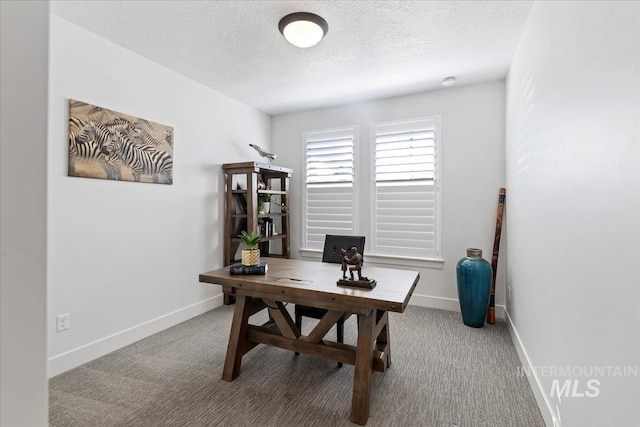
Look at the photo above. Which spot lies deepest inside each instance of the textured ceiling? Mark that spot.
(374, 49)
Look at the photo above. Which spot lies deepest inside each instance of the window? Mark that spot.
(329, 197)
(404, 210)
(398, 204)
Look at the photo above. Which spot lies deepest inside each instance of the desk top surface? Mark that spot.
(314, 283)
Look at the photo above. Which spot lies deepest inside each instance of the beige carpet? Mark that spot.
(443, 374)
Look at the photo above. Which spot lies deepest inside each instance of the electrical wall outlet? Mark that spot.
(63, 322)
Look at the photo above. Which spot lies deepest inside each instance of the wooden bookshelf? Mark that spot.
(241, 209)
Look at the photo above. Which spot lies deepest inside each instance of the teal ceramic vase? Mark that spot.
(474, 287)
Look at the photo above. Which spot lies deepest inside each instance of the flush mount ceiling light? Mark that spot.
(303, 29)
(448, 81)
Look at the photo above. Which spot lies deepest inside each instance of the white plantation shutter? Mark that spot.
(329, 185)
(405, 205)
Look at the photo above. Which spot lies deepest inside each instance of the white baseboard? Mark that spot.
(538, 391)
(450, 304)
(88, 352)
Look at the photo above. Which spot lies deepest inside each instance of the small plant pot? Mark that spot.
(250, 257)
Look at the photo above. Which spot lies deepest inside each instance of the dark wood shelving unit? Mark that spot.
(241, 208)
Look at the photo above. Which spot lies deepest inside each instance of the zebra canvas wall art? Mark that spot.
(106, 144)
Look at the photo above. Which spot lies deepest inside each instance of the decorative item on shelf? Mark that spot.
(238, 268)
(251, 255)
(356, 261)
(264, 203)
(278, 202)
(474, 287)
(263, 153)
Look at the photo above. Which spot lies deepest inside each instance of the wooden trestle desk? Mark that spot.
(314, 284)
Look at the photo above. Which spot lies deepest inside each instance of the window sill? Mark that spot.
(384, 259)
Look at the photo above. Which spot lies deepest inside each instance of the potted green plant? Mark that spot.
(251, 255)
(264, 203)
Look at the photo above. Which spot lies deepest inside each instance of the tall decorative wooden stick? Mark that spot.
(491, 312)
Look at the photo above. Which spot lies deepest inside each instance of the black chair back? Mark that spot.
(333, 244)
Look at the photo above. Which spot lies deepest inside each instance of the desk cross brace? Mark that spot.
(372, 352)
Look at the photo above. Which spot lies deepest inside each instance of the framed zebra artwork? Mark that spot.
(106, 144)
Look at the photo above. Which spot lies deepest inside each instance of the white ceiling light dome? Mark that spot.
(303, 29)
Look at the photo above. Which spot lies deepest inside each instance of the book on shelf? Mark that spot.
(238, 268)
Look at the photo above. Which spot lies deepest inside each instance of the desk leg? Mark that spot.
(383, 341)
(363, 369)
(237, 339)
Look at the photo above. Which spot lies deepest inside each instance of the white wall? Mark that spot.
(124, 257)
(23, 183)
(472, 151)
(572, 162)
